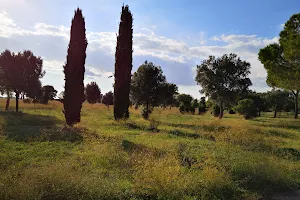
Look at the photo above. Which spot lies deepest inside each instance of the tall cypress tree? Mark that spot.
(123, 65)
(74, 70)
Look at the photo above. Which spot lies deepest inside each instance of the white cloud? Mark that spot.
(146, 43)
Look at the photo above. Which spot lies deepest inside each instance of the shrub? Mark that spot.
(247, 108)
(182, 108)
(201, 109)
(215, 110)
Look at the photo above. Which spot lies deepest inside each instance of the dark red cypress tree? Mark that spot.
(74, 70)
(123, 65)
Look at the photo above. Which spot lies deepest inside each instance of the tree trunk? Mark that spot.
(221, 111)
(17, 101)
(7, 101)
(275, 113)
(259, 113)
(296, 94)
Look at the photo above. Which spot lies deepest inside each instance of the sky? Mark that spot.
(174, 34)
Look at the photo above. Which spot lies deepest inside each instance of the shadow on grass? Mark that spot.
(207, 128)
(180, 133)
(132, 147)
(23, 127)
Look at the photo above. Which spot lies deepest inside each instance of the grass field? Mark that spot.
(188, 157)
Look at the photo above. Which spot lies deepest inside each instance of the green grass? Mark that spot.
(185, 157)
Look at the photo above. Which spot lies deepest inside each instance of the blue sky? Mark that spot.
(177, 35)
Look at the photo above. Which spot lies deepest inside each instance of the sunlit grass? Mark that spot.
(186, 157)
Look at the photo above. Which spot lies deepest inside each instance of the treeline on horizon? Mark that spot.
(224, 80)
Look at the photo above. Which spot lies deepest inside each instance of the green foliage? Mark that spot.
(48, 93)
(92, 93)
(247, 108)
(108, 99)
(202, 106)
(186, 104)
(168, 92)
(280, 60)
(74, 70)
(146, 85)
(123, 65)
(20, 73)
(215, 110)
(223, 79)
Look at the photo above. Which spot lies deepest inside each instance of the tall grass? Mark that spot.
(171, 156)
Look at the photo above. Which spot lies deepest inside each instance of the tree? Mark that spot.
(259, 100)
(108, 99)
(20, 72)
(92, 93)
(74, 70)
(281, 60)
(48, 93)
(123, 65)
(223, 79)
(194, 105)
(247, 108)
(168, 94)
(276, 100)
(202, 106)
(185, 102)
(146, 84)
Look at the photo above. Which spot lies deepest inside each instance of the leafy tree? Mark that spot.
(202, 106)
(168, 94)
(145, 86)
(215, 110)
(247, 108)
(92, 93)
(48, 93)
(223, 79)
(74, 70)
(276, 100)
(194, 105)
(259, 100)
(108, 99)
(281, 60)
(20, 72)
(185, 102)
(123, 65)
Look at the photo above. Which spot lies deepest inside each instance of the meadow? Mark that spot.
(171, 156)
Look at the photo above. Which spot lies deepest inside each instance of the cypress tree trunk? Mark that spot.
(74, 70)
(296, 95)
(17, 101)
(123, 65)
(7, 100)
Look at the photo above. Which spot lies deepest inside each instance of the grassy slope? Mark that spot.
(191, 157)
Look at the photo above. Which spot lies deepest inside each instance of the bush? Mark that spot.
(247, 108)
(201, 109)
(182, 108)
(215, 110)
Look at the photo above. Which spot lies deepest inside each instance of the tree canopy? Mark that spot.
(20, 72)
(282, 60)
(92, 93)
(223, 79)
(146, 85)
